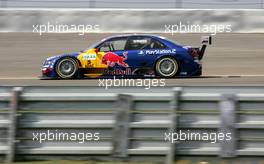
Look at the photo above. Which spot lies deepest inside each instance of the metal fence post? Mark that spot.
(3, 3)
(228, 125)
(14, 106)
(92, 4)
(175, 105)
(178, 3)
(121, 129)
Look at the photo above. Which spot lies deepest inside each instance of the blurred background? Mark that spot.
(198, 4)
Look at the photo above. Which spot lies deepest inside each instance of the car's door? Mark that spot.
(114, 54)
(141, 51)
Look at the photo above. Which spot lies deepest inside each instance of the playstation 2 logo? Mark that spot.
(141, 53)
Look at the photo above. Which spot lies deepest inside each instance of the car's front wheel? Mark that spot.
(67, 68)
(166, 67)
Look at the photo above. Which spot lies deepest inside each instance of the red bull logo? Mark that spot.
(127, 71)
(111, 59)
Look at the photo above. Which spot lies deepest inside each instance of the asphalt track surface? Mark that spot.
(233, 59)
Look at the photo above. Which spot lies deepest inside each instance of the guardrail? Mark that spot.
(133, 124)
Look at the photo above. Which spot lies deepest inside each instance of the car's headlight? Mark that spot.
(47, 62)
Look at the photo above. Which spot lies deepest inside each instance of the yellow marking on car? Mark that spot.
(91, 59)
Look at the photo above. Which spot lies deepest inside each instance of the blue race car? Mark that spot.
(134, 55)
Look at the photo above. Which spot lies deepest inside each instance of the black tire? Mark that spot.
(167, 67)
(67, 68)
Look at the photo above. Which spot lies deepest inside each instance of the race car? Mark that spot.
(134, 55)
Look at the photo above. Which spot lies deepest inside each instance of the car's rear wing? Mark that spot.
(206, 40)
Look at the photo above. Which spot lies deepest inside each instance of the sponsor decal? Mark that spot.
(89, 57)
(183, 73)
(111, 59)
(141, 53)
(156, 52)
(140, 41)
(127, 71)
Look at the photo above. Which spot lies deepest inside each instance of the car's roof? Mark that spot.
(128, 35)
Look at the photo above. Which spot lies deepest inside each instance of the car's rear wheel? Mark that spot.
(67, 68)
(166, 67)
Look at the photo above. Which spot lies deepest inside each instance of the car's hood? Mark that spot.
(75, 54)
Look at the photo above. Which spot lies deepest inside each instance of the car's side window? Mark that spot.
(140, 43)
(155, 44)
(119, 45)
(104, 47)
(113, 45)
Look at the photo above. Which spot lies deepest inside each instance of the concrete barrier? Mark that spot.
(132, 20)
